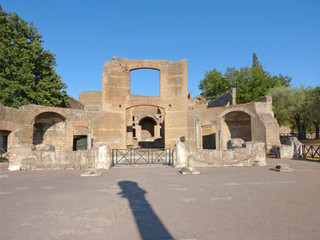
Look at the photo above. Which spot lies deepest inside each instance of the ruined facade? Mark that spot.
(120, 120)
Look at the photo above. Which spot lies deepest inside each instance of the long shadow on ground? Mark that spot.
(148, 223)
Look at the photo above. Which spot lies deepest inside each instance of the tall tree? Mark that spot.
(292, 105)
(250, 82)
(315, 109)
(255, 62)
(27, 74)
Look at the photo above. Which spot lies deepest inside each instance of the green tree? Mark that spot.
(293, 105)
(250, 82)
(27, 74)
(315, 109)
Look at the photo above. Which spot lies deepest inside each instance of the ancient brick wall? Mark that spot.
(173, 94)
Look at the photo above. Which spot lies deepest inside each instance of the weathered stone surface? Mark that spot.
(120, 119)
(236, 143)
(181, 160)
(252, 155)
(296, 146)
(189, 170)
(91, 172)
(43, 147)
(227, 99)
(285, 151)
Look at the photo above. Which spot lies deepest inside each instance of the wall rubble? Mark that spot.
(27, 157)
(253, 154)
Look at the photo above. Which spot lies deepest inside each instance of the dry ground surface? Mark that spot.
(159, 203)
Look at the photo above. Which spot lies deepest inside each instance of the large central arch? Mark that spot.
(50, 128)
(236, 124)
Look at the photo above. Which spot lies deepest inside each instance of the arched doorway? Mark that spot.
(50, 128)
(236, 124)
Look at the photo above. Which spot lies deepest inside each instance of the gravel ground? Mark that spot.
(160, 203)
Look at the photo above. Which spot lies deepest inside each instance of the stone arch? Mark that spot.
(147, 127)
(236, 124)
(144, 65)
(7, 126)
(48, 109)
(50, 128)
(143, 102)
(145, 124)
(234, 109)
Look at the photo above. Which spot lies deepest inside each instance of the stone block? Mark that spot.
(236, 143)
(285, 151)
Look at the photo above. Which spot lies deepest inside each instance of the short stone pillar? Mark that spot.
(285, 151)
(258, 153)
(181, 158)
(103, 161)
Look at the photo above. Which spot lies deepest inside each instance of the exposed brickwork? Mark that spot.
(119, 119)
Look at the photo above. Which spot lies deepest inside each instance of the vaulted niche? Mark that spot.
(145, 127)
(239, 125)
(145, 82)
(50, 128)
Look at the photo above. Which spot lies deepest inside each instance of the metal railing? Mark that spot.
(4, 154)
(309, 134)
(311, 151)
(142, 156)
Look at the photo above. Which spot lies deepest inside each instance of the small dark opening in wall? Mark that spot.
(79, 142)
(133, 132)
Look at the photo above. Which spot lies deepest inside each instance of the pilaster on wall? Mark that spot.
(174, 92)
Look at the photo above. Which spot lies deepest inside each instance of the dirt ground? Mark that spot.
(160, 203)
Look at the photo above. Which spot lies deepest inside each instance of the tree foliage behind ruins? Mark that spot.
(250, 82)
(27, 74)
(298, 107)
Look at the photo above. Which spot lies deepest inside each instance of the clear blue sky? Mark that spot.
(285, 34)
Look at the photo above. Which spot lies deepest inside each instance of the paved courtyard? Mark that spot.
(159, 203)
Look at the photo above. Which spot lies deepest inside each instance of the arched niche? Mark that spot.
(50, 128)
(147, 127)
(236, 124)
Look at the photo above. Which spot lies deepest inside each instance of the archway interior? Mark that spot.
(145, 127)
(50, 128)
(239, 125)
(145, 82)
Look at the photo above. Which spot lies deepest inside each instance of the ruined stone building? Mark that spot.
(120, 120)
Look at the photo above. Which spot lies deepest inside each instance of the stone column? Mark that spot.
(221, 140)
(138, 132)
(157, 131)
(196, 120)
(89, 142)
